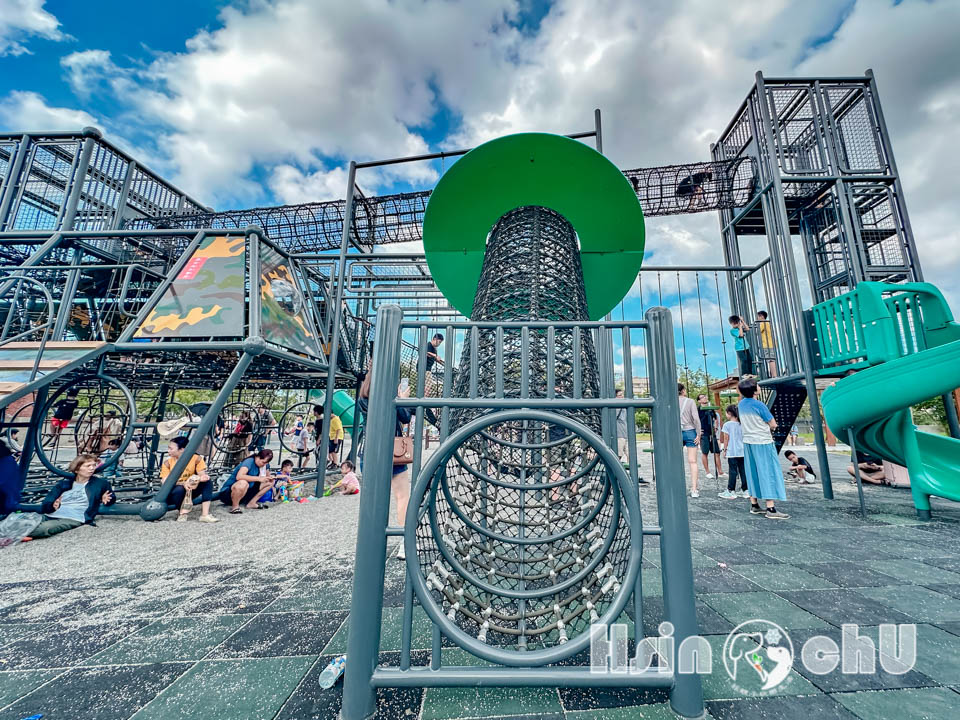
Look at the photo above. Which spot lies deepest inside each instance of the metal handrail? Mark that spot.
(46, 327)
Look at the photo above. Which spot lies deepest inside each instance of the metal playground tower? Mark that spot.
(523, 527)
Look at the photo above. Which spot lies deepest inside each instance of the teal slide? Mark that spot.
(343, 406)
(904, 346)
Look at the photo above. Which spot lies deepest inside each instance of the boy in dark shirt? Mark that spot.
(63, 412)
(800, 468)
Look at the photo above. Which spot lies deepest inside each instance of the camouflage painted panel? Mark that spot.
(283, 316)
(207, 298)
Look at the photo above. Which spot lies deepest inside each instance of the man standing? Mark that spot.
(433, 345)
(690, 430)
(709, 444)
(267, 423)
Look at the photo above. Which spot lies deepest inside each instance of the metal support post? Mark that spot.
(66, 300)
(124, 195)
(816, 418)
(156, 508)
(155, 440)
(686, 696)
(33, 434)
(359, 697)
(856, 471)
(91, 135)
(10, 189)
(253, 248)
(335, 325)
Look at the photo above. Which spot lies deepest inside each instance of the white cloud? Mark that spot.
(22, 19)
(22, 110)
(280, 93)
(291, 83)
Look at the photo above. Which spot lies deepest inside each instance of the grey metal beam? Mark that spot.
(335, 307)
(480, 677)
(686, 696)
(366, 605)
(90, 138)
(13, 180)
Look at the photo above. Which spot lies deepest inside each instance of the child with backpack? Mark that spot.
(762, 464)
(731, 435)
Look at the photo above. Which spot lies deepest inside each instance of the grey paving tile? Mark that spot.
(97, 693)
(816, 707)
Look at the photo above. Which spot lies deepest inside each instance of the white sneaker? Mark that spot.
(401, 555)
(720, 475)
(745, 494)
(208, 519)
(728, 495)
(694, 494)
(709, 476)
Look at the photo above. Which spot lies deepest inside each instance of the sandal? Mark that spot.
(262, 506)
(236, 511)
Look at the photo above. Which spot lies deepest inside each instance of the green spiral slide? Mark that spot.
(904, 346)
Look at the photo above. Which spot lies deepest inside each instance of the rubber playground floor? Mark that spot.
(235, 621)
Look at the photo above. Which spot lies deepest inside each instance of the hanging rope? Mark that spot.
(703, 336)
(683, 334)
(723, 335)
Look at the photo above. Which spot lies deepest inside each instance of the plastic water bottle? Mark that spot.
(332, 672)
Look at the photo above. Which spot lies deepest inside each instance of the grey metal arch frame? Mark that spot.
(364, 674)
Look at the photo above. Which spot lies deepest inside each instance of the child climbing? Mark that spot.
(764, 476)
(731, 435)
(739, 329)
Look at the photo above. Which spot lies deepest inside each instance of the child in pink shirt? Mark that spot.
(349, 485)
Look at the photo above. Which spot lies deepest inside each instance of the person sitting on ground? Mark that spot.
(248, 483)
(350, 484)
(112, 471)
(76, 501)
(690, 431)
(11, 483)
(800, 468)
(193, 483)
(281, 483)
(871, 469)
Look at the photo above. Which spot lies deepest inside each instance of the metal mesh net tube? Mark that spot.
(522, 538)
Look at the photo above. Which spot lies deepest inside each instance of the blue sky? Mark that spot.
(263, 101)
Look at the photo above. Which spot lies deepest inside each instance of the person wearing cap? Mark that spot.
(194, 482)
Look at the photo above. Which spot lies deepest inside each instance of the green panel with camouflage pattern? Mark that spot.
(206, 299)
(283, 318)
